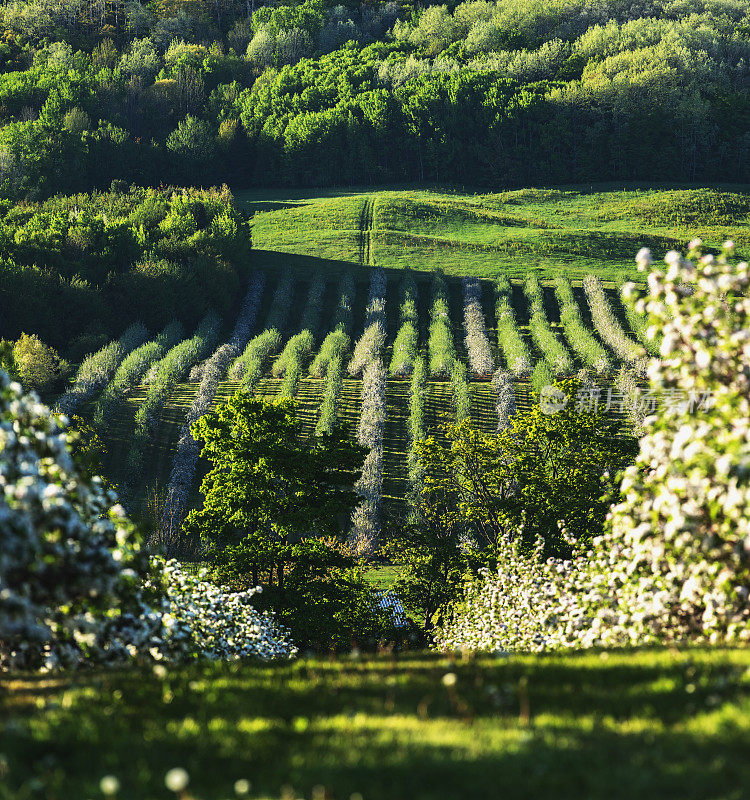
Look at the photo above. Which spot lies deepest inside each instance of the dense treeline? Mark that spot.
(77, 270)
(200, 91)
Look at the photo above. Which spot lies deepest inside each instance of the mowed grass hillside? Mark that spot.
(661, 725)
(575, 231)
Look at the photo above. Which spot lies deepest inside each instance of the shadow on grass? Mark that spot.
(652, 725)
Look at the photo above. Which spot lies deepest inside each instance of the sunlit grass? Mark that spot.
(653, 724)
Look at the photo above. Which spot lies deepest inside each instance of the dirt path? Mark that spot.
(366, 221)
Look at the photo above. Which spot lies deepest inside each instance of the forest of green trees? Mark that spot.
(206, 91)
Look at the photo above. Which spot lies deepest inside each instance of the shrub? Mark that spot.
(369, 345)
(506, 399)
(91, 595)
(64, 598)
(98, 368)
(554, 352)
(132, 370)
(416, 422)
(509, 338)
(441, 349)
(477, 342)
(582, 341)
(607, 325)
(37, 364)
(366, 517)
(405, 344)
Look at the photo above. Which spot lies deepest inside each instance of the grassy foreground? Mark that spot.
(654, 724)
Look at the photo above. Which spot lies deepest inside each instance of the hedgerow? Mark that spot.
(416, 422)
(506, 398)
(185, 461)
(164, 377)
(366, 517)
(252, 360)
(460, 391)
(338, 339)
(369, 345)
(290, 363)
(133, 369)
(328, 413)
(509, 338)
(96, 371)
(639, 322)
(405, 343)
(477, 342)
(607, 325)
(580, 338)
(442, 352)
(554, 352)
(541, 376)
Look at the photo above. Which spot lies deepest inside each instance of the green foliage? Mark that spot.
(588, 349)
(37, 365)
(407, 338)
(89, 265)
(545, 471)
(269, 498)
(509, 339)
(441, 348)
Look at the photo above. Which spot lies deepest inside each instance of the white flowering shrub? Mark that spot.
(506, 398)
(607, 325)
(509, 338)
(97, 370)
(406, 341)
(70, 562)
(683, 527)
(555, 353)
(477, 342)
(674, 563)
(202, 620)
(366, 517)
(441, 350)
(580, 338)
(185, 461)
(369, 345)
(132, 369)
(416, 423)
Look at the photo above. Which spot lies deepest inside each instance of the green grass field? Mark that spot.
(656, 725)
(576, 230)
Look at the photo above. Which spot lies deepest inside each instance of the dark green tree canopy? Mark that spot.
(267, 481)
